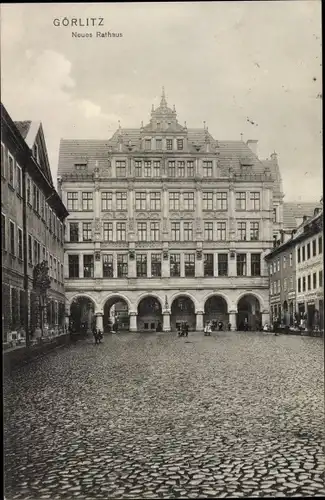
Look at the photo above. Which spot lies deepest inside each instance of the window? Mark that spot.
(188, 231)
(107, 265)
(221, 231)
(19, 180)
(308, 250)
(222, 201)
(291, 282)
(28, 191)
(299, 285)
(274, 215)
(44, 254)
(121, 231)
(241, 264)
(155, 201)
(270, 269)
(72, 201)
(175, 265)
(142, 231)
(120, 168)
(290, 259)
(169, 144)
(189, 259)
(138, 168)
(20, 244)
(108, 231)
(121, 201)
(241, 228)
(3, 160)
(154, 231)
(284, 262)
(74, 232)
(208, 264)
(320, 281)
(140, 200)
(122, 265)
(88, 266)
(298, 256)
(175, 231)
(240, 201)
(304, 283)
(35, 152)
(254, 231)
(158, 144)
(11, 170)
(147, 168)
(87, 201)
(55, 269)
(285, 284)
(156, 264)
(12, 238)
(256, 264)
(147, 144)
(255, 201)
(141, 265)
(3, 232)
(188, 201)
(174, 201)
(171, 169)
(314, 248)
(320, 244)
(309, 282)
(34, 196)
(51, 260)
(314, 280)
(181, 169)
(222, 264)
(107, 201)
(30, 250)
(156, 169)
(278, 263)
(208, 231)
(42, 203)
(207, 169)
(208, 200)
(190, 169)
(180, 144)
(86, 231)
(303, 257)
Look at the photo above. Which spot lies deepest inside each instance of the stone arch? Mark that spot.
(184, 294)
(116, 310)
(216, 310)
(77, 296)
(249, 308)
(217, 294)
(149, 313)
(149, 294)
(183, 311)
(254, 294)
(82, 309)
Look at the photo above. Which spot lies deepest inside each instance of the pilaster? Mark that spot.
(166, 321)
(133, 321)
(199, 321)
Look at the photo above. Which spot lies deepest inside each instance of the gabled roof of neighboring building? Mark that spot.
(23, 127)
(291, 211)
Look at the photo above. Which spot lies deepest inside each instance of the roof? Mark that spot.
(231, 154)
(23, 127)
(291, 211)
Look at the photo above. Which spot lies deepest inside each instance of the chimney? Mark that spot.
(317, 210)
(252, 144)
(274, 157)
(305, 218)
(286, 237)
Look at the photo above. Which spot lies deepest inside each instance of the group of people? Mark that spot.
(182, 329)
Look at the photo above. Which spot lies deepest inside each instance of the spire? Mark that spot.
(163, 102)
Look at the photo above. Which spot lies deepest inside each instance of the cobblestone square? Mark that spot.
(157, 416)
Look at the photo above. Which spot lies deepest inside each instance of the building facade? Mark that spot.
(169, 222)
(32, 228)
(296, 275)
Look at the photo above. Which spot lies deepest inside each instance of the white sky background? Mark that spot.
(219, 61)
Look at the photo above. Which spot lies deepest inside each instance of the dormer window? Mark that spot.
(180, 144)
(35, 152)
(80, 166)
(147, 144)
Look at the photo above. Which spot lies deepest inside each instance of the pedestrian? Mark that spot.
(205, 329)
(179, 329)
(209, 330)
(95, 334)
(186, 329)
(229, 327)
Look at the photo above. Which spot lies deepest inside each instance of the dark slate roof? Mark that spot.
(231, 153)
(23, 127)
(293, 210)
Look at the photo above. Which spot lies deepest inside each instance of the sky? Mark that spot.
(251, 68)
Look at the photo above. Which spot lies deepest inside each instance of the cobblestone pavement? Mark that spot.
(156, 416)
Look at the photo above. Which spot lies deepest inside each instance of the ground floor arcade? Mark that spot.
(138, 311)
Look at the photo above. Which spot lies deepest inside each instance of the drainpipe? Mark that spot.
(25, 254)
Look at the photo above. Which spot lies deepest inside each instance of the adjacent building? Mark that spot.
(169, 222)
(32, 228)
(296, 274)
